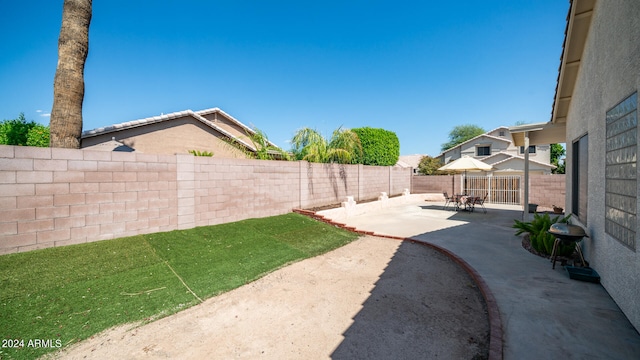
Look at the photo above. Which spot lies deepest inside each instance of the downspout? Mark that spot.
(525, 213)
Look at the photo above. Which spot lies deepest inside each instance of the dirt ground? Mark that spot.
(373, 298)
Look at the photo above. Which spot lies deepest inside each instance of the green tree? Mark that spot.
(429, 165)
(460, 134)
(557, 152)
(68, 83)
(343, 147)
(379, 146)
(21, 132)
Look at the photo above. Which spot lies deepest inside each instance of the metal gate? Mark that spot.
(500, 189)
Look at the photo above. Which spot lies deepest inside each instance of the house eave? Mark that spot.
(576, 32)
(539, 133)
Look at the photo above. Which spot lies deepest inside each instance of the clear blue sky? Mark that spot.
(417, 68)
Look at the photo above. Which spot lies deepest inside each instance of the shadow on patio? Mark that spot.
(544, 314)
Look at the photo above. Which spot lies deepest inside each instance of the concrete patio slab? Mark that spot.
(545, 314)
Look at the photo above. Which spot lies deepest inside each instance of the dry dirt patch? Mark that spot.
(373, 298)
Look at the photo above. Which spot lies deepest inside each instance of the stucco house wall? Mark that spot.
(609, 73)
(177, 136)
(177, 133)
(505, 156)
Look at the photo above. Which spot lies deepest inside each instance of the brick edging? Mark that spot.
(495, 323)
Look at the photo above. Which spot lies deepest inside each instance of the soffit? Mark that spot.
(577, 30)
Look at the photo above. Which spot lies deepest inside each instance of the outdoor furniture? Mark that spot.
(465, 202)
(448, 200)
(480, 201)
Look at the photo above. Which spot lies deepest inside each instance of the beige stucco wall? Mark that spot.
(176, 136)
(227, 125)
(542, 154)
(609, 73)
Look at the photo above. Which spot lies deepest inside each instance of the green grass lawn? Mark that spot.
(59, 296)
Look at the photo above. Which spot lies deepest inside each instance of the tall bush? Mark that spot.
(379, 146)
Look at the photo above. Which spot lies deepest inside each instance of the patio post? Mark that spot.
(525, 212)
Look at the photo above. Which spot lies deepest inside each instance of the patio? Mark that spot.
(544, 314)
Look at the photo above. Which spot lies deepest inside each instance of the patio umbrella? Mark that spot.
(464, 164)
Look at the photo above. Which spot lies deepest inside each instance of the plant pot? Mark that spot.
(533, 208)
(557, 210)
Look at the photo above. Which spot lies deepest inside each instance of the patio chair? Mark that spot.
(480, 201)
(448, 200)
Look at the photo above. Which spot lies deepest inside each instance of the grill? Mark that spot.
(566, 234)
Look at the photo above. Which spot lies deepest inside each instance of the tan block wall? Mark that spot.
(544, 190)
(436, 184)
(55, 197)
(547, 190)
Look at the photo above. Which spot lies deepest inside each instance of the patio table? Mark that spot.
(465, 202)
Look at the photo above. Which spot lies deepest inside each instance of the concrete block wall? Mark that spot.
(544, 190)
(547, 190)
(436, 184)
(55, 197)
(376, 180)
(227, 190)
(400, 180)
(324, 184)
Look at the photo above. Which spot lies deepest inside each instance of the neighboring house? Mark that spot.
(178, 132)
(496, 148)
(595, 111)
(410, 161)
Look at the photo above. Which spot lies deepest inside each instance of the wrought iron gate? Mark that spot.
(500, 189)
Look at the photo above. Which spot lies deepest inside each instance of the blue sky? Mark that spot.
(417, 68)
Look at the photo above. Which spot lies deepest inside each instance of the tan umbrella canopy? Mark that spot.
(466, 163)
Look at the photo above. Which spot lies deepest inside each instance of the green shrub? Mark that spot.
(379, 146)
(541, 240)
(21, 132)
(201, 153)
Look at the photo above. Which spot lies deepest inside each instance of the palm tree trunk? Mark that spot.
(68, 84)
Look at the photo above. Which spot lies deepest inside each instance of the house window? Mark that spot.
(501, 133)
(621, 180)
(580, 174)
(532, 149)
(483, 150)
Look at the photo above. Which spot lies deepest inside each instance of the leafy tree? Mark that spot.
(344, 146)
(379, 146)
(20, 132)
(460, 134)
(68, 83)
(429, 165)
(557, 152)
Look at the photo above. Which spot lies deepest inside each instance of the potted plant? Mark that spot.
(557, 209)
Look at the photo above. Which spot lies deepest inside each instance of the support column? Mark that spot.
(525, 213)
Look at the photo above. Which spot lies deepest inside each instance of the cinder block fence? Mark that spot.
(55, 197)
